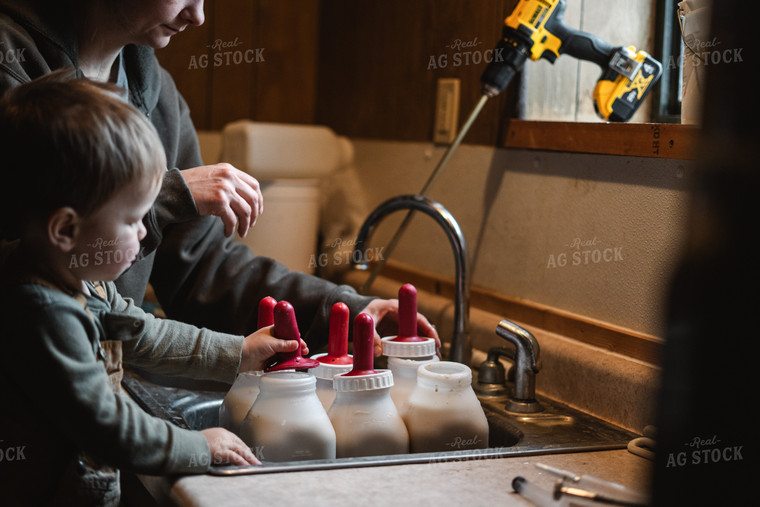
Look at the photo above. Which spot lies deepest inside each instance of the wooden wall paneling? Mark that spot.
(233, 78)
(403, 89)
(285, 87)
(380, 62)
(372, 80)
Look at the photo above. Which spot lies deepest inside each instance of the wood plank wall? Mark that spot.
(254, 59)
(367, 69)
(380, 61)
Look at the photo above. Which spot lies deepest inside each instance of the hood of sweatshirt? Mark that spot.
(40, 36)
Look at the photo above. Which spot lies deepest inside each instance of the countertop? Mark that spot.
(486, 482)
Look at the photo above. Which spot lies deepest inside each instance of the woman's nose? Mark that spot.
(193, 13)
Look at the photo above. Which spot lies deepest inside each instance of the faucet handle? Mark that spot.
(526, 345)
(492, 377)
(527, 363)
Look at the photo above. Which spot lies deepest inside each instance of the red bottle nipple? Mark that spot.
(337, 348)
(266, 312)
(286, 328)
(407, 315)
(364, 341)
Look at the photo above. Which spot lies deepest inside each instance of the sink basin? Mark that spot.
(556, 429)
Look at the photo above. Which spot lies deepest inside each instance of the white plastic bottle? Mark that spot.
(239, 399)
(443, 413)
(405, 378)
(363, 414)
(287, 422)
(336, 360)
(406, 351)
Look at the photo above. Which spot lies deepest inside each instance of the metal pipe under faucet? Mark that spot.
(461, 349)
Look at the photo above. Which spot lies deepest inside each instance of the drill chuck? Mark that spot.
(509, 56)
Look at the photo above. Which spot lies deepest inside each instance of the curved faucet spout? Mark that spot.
(461, 348)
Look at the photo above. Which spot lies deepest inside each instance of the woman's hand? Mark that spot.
(228, 193)
(385, 314)
(228, 448)
(260, 348)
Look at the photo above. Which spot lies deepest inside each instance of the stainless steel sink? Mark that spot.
(556, 429)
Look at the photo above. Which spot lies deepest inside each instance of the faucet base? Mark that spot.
(523, 406)
(489, 389)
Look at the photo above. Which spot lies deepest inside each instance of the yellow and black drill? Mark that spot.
(536, 29)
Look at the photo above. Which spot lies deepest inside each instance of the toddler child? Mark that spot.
(80, 170)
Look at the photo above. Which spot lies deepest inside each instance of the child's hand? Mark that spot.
(228, 448)
(260, 347)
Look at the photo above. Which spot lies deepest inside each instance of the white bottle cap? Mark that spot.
(327, 371)
(409, 349)
(381, 379)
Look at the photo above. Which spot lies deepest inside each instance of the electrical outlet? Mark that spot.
(446, 111)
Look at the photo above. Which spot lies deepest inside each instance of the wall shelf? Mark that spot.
(658, 140)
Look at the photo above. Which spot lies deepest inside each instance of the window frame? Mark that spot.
(666, 107)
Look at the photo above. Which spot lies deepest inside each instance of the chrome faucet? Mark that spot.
(527, 362)
(461, 346)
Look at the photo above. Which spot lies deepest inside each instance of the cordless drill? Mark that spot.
(536, 30)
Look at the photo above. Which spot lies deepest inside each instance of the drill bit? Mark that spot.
(441, 163)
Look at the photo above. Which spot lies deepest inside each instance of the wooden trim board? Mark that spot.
(659, 140)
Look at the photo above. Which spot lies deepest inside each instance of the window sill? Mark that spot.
(658, 140)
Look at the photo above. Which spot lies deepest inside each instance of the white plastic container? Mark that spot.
(443, 413)
(289, 161)
(365, 418)
(405, 378)
(287, 421)
(363, 414)
(239, 400)
(288, 230)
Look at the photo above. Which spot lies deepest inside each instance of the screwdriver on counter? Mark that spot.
(571, 489)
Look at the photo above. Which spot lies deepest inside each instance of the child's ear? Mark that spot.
(63, 228)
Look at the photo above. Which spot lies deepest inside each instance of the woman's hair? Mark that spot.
(70, 142)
